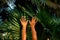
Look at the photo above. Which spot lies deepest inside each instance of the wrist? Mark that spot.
(32, 26)
(24, 26)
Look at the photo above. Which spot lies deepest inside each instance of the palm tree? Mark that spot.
(46, 12)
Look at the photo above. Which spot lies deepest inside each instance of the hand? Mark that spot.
(23, 21)
(33, 22)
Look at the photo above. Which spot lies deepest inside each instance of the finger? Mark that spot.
(20, 20)
(23, 18)
(29, 21)
(33, 18)
(36, 21)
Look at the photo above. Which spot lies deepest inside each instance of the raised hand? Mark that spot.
(32, 24)
(33, 21)
(24, 25)
(23, 21)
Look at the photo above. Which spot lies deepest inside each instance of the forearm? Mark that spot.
(34, 34)
(24, 33)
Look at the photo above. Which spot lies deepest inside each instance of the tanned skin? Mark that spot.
(32, 24)
(24, 23)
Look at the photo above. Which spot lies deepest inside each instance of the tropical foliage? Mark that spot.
(46, 12)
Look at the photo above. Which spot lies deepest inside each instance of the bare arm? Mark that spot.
(24, 33)
(24, 24)
(32, 24)
(34, 35)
